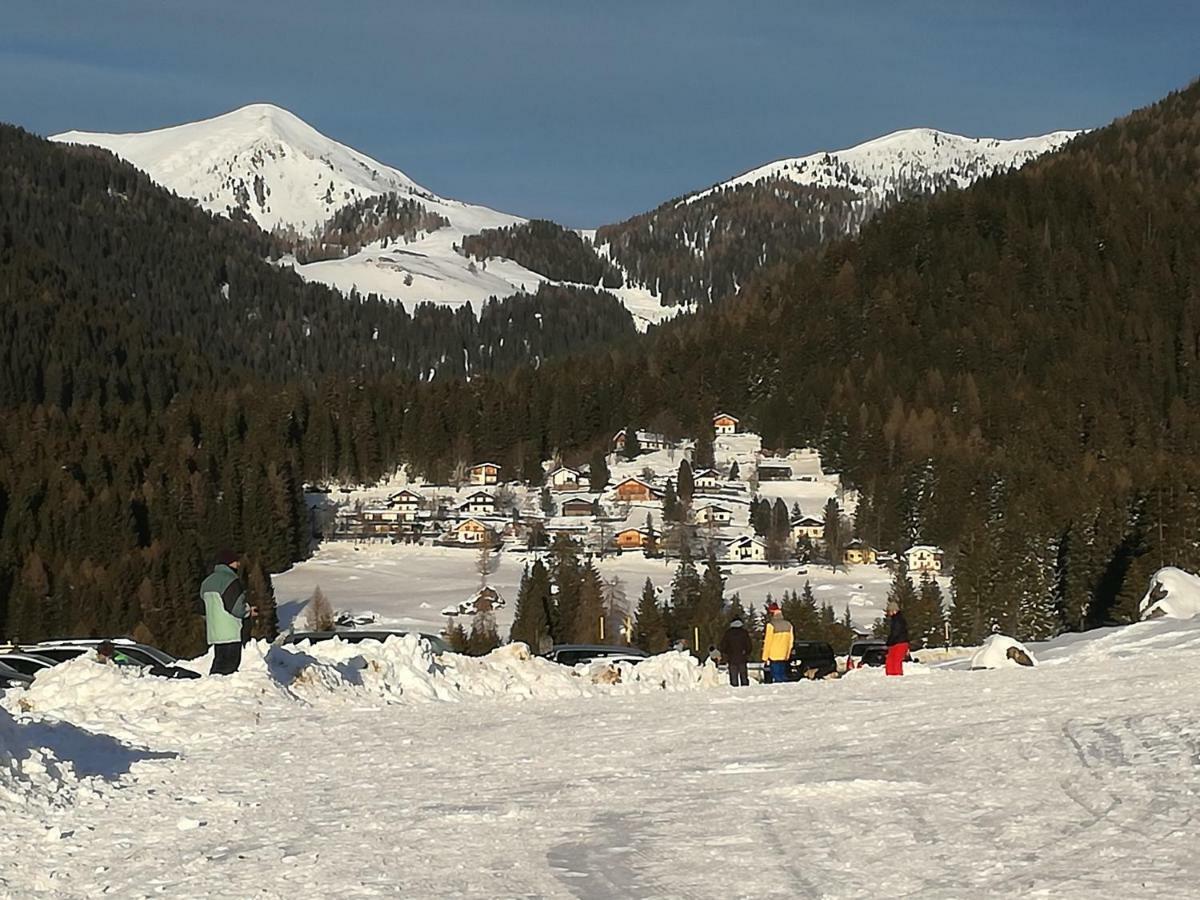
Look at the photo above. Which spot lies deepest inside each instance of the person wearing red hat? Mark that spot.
(777, 643)
(225, 608)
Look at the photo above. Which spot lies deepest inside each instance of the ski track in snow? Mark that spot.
(1071, 780)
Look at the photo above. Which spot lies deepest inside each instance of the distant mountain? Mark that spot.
(352, 222)
(706, 245)
(913, 160)
(272, 166)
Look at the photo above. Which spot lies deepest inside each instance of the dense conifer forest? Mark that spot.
(1010, 371)
(546, 248)
(163, 388)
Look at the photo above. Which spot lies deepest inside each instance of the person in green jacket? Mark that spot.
(225, 607)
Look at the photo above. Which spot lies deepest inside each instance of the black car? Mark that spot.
(816, 657)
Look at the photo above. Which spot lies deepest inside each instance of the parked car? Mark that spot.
(142, 654)
(354, 636)
(575, 654)
(868, 652)
(10, 677)
(25, 662)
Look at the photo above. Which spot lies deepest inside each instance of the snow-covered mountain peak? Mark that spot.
(271, 164)
(903, 158)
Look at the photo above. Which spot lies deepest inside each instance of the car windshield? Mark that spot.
(60, 654)
(24, 666)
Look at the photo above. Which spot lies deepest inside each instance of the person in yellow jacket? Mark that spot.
(777, 644)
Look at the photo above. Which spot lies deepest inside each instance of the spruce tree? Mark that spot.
(484, 636)
(650, 632)
(686, 485)
(590, 610)
(598, 475)
(565, 574)
(833, 538)
(633, 447)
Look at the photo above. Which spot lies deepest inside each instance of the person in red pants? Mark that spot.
(897, 640)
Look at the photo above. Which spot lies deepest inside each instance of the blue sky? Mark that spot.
(589, 112)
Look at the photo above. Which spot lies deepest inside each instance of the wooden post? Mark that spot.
(602, 629)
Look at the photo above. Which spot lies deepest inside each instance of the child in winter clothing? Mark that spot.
(777, 644)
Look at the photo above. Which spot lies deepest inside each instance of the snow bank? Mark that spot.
(999, 652)
(1173, 593)
(132, 705)
(28, 771)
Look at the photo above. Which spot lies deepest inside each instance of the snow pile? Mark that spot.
(999, 652)
(1173, 593)
(29, 771)
(132, 705)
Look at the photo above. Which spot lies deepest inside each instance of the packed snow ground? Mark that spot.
(1074, 779)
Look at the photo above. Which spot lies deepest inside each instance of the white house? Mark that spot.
(746, 549)
(485, 473)
(564, 478)
(647, 441)
(707, 480)
(924, 558)
(808, 526)
(407, 503)
(480, 503)
(712, 514)
(723, 423)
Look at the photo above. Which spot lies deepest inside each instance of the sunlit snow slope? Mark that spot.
(897, 161)
(282, 172)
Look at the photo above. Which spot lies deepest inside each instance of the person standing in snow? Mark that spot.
(777, 644)
(735, 650)
(225, 608)
(897, 640)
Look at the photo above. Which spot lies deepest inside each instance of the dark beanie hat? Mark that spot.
(226, 557)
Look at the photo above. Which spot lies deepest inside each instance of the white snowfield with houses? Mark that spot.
(408, 552)
(271, 165)
(376, 769)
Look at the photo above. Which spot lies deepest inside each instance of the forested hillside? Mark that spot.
(1009, 370)
(545, 248)
(696, 251)
(166, 391)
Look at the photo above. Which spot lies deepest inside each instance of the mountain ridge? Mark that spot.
(269, 164)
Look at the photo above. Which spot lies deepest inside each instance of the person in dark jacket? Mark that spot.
(735, 650)
(224, 602)
(897, 640)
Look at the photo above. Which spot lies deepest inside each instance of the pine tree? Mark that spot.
(703, 456)
(673, 510)
(531, 621)
(565, 574)
(484, 636)
(456, 637)
(709, 615)
(685, 594)
(926, 618)
(318, 612)
(598, 475)
(650, 632)
(834, 539)
(589, 612)
(686, 487)
(633, 447)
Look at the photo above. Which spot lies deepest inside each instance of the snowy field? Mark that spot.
(408, 586)
(509, 777)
